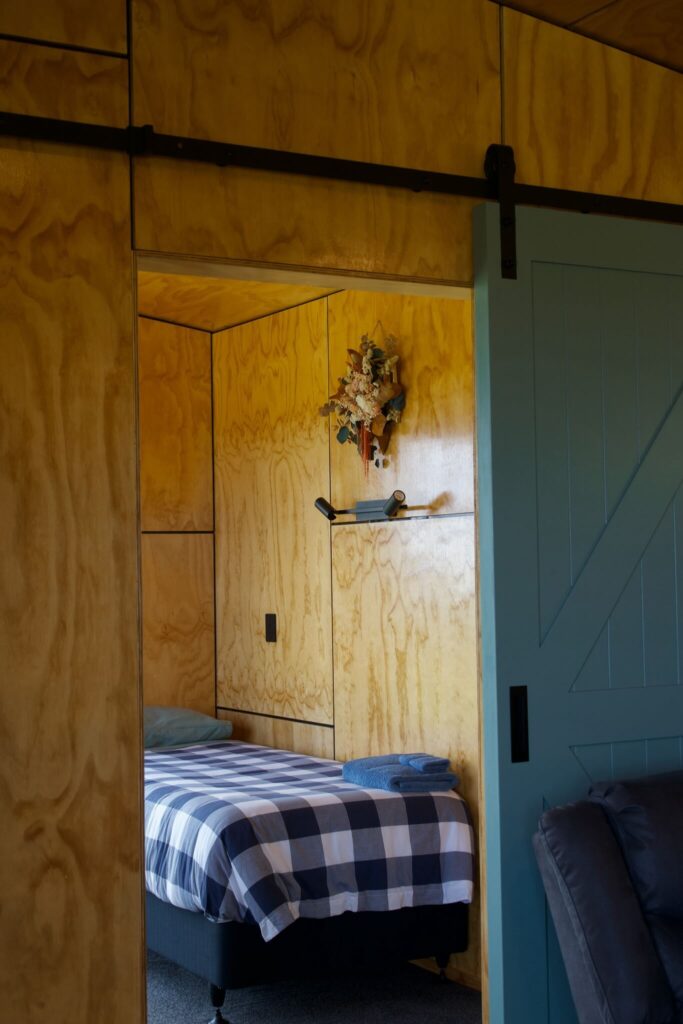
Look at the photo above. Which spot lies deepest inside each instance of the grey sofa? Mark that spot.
(612, 867)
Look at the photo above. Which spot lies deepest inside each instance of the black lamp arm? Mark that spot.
(388, 509)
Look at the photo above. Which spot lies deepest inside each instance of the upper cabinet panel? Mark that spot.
(581, 115)
(45, 81)
(431, 451)
(176, 488)
(81, 23)
(409, 83)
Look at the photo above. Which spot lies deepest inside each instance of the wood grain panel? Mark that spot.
(272, 546)
(405, 649)
(653, 28)
(581, 115)
(81, 23)
(283, 220)
(431, 451)
(215, 303)
(178, 663)
(47, 82)
(70, 871)
(409, 83)
(314, 740)
(176, 471)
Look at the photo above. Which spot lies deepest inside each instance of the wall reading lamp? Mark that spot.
(364, 511)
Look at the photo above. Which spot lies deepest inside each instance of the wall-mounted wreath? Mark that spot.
(369, 400)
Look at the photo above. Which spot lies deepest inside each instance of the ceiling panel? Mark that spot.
(213, 303)
(562, 12)
(652, 29)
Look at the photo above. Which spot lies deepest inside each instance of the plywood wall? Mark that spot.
(360, 229)
(75, 23)
(46, 81)
(178, 620)
(176, 515)
(316, 740)
(581, 115)
(176, 459)
(431, 453)
(272, 546)
(69, 708)
(378, 81)
(405, 640)
(405, 652)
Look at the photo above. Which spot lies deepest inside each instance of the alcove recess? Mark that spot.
(375, 625)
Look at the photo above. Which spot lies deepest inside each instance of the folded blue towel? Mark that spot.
(426, 762)
(387, 772)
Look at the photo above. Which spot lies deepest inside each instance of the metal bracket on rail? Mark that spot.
(499, 168)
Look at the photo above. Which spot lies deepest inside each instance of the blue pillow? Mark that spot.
(174, 727)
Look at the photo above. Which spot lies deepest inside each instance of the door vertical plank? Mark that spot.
(550, 356)
(654, 333)
(660, 636)
(626, 655)
(581, 308)
(620, 372)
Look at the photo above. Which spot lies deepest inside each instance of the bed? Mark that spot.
(260, 863)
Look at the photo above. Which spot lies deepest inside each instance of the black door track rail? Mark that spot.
(499, 168)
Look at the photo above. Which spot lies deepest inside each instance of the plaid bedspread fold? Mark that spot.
(247, 833)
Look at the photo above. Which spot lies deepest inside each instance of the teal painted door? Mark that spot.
(579, 368)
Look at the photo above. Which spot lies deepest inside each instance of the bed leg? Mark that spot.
(442, 961)
(217, 1000)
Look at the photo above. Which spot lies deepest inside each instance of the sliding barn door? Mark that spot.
(580, 448)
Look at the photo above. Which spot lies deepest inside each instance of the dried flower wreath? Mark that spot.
(369, 400)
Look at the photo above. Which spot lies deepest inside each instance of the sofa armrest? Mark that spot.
(614, 973)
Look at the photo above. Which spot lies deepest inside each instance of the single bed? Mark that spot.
(261, 863)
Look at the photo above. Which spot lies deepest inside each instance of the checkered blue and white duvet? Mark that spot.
(247, 833)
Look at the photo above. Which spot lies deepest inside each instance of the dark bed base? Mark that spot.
(233, 955)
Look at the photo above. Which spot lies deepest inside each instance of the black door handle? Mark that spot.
(519, 724)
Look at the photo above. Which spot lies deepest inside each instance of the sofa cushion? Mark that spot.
(614, 972)
(647, 818)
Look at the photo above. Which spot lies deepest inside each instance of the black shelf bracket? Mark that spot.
(499, 168)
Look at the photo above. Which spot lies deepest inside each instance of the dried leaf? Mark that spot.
(378, 424)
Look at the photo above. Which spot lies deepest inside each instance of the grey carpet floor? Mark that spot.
(407, 996)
